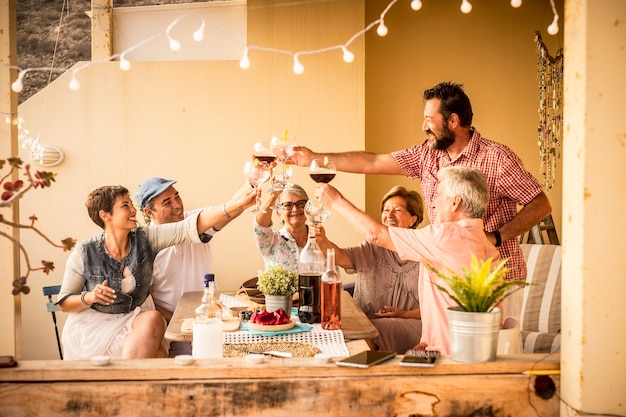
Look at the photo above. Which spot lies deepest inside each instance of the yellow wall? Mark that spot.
(195, 122)
(491, 51)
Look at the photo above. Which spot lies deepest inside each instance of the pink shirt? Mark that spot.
(447, 245)
(509, 183)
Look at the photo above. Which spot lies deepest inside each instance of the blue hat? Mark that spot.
(151, 188)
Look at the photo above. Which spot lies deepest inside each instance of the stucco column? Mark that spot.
(593, 358)
(9, 254)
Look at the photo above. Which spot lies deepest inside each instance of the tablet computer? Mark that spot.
(421, 358)
(366, 359)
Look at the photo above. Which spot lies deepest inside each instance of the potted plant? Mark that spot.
(474, 323)
(278, 285)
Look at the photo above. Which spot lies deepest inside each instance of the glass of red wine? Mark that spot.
(320, 170)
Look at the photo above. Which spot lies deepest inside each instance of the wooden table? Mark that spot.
(294, 387)
(354, 323)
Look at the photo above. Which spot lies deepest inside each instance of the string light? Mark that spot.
(348, 56)
(553, 29)
(124, 63)
(466, 6)
(382, 29)
(244, 62)
(298, 68)
(416, 5)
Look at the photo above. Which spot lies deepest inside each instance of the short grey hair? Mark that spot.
(294, 189)
(468, 183)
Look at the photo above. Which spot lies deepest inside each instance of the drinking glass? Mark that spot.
(282, 146)
(320, 170)
(257, 173)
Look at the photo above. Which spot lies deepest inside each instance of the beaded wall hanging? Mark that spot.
(550, 128)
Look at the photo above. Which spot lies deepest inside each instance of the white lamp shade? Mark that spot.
(47, 155)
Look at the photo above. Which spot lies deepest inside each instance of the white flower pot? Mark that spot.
(473, 336)
(274, 302)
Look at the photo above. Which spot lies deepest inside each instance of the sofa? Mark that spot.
(540, 318)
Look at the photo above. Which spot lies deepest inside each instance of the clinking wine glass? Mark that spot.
(257, 173)
(282, 146)
(320, 170)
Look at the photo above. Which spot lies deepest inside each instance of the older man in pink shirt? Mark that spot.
(456, 234)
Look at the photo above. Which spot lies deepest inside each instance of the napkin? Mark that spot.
(297, 328)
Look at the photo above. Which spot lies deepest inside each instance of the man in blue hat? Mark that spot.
(181, 268)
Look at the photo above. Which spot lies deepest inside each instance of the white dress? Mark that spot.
(79, 330)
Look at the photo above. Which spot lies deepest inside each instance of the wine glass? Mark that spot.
(257, 173)
(282, 147)
(320, 170)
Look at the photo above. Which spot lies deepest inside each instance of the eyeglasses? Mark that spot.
(289, 205)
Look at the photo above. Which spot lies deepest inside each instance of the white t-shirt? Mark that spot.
(180, 269)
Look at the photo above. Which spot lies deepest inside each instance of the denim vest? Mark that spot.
(99, 265)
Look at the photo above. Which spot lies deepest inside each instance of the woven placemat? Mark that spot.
(297, 349)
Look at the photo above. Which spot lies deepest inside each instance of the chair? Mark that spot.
(51, 307)
(540, 319)
(536, 233)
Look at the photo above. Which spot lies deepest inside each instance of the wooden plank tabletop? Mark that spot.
(279, 387)
(354, 323)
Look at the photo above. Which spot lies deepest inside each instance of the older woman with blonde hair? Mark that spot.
(386, 287)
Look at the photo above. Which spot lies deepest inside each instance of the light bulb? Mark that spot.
(174, 45)
(516, 3)
(298, 68)
(74, 84)
(124, 63)
(244, 62)
(348, 56)
(416, 5)
(553, 29)
(466, 7)
(17, 85)
(198, 35)
(382, 29)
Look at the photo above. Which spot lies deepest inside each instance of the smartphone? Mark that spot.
(423, 358)
(366, 359)
(7, 361)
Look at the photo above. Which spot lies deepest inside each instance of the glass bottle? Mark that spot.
(207, 325)
(331, 294)
(310, 269)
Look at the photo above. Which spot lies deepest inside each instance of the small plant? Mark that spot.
(11, 192)
(277, 280)
(481, 288)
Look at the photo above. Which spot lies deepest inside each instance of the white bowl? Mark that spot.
(184, 360)
(102, 360)
(255, 358)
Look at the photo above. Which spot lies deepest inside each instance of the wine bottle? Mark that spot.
(331, 294)
(310, 270)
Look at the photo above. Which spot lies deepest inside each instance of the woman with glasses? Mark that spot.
(282, 246)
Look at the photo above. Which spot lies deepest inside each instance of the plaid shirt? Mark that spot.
(509, 183)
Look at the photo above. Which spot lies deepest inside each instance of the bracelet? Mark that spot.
(82, 299)
(224, 211)
(498, 236)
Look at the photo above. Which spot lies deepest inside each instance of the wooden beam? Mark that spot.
(279, 387)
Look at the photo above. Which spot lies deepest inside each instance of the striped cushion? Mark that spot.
(540, 321)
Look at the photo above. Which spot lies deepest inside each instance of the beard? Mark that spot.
(441, 142)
